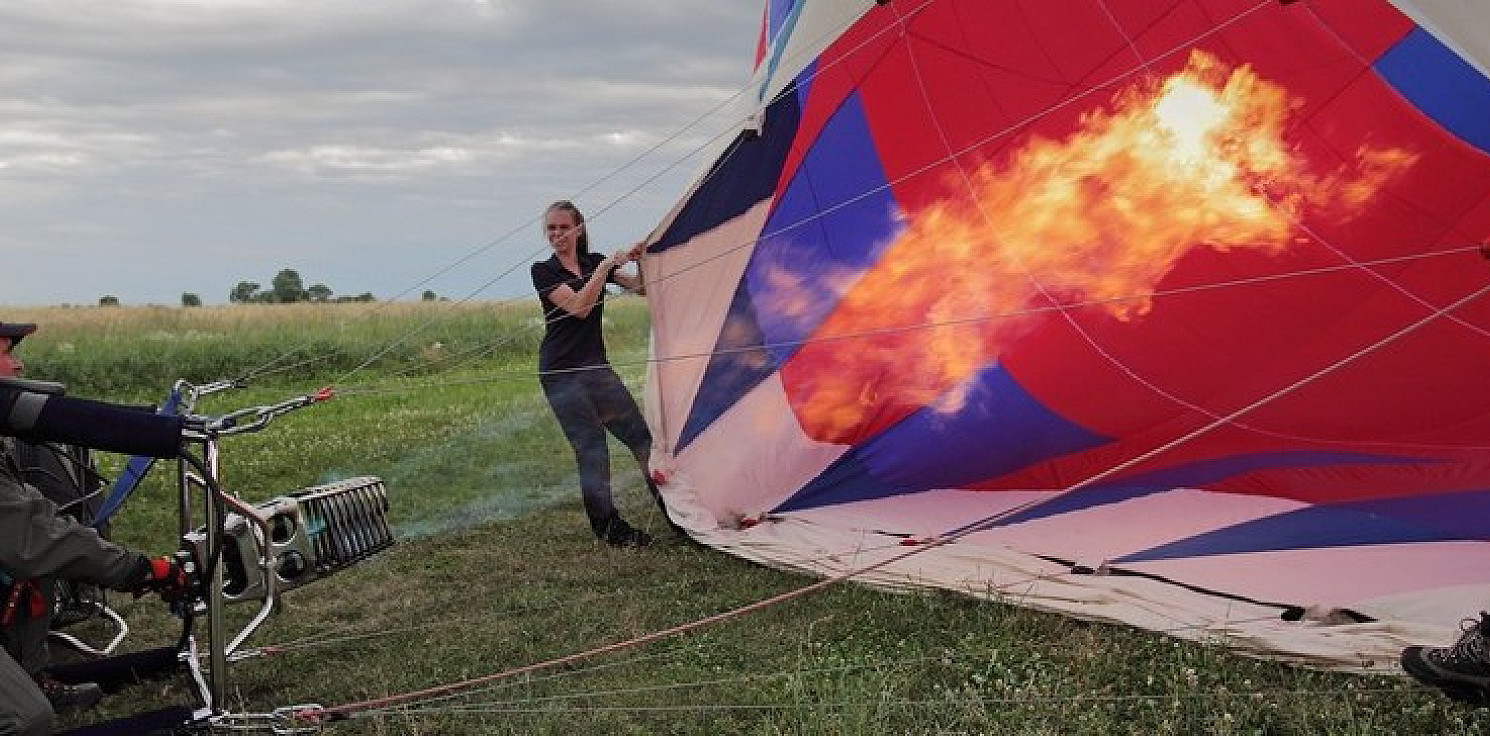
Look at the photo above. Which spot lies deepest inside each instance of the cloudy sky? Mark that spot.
(154, 147)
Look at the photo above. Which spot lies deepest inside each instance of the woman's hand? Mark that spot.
(637, 250)
(631, 283)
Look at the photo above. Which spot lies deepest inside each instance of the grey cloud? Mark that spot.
(273, 133)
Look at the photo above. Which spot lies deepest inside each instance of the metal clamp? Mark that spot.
(256, 418)
(187, 393)
(291, 719)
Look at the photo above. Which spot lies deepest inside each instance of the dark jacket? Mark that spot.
(37, 542)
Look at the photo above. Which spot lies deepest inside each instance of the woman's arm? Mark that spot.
(580, 303)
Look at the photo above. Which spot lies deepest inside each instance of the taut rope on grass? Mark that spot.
(343, 712)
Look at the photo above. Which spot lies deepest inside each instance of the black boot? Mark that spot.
(618, 533)
(66, 697)
(1461, 671)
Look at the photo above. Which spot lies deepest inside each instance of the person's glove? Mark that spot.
(161, 575)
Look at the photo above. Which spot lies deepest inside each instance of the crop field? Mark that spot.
(495, 577)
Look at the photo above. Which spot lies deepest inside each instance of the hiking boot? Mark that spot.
(69, 697)
(620, 534)
(632, 537)
(1461, 671)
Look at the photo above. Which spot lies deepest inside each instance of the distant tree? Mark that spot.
(288, 287)
(430, 296)
(244, 292)
(189, 299)
(108, 300)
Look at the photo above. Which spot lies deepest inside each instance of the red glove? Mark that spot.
(161, 575)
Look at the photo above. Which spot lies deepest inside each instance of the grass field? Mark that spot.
(496, 569)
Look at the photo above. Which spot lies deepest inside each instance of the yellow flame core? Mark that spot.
(1100, 217)
(1188, 115)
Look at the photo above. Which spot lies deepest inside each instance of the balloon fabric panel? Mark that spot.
(1205, 273)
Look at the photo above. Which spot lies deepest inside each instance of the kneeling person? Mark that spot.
(38, 544)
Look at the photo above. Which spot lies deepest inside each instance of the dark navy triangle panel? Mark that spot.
(823, 228)
(999, 429)
(737, 364)
(1438, 518)
(1442, 85)
(745, 175)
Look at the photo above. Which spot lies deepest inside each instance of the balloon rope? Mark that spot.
(344, 711)
(1029, 700)
(901, 663)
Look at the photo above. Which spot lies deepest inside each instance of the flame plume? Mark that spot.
(1199, 159)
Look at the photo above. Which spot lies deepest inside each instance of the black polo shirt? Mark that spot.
(568, 341)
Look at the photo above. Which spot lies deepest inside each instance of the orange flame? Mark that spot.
(1198, 160)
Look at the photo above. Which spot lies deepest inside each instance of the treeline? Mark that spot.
(286, 288)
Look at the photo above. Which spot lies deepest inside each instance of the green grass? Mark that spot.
(496, 569)
(122, 351)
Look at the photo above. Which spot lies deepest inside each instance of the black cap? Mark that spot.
(16, 330)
